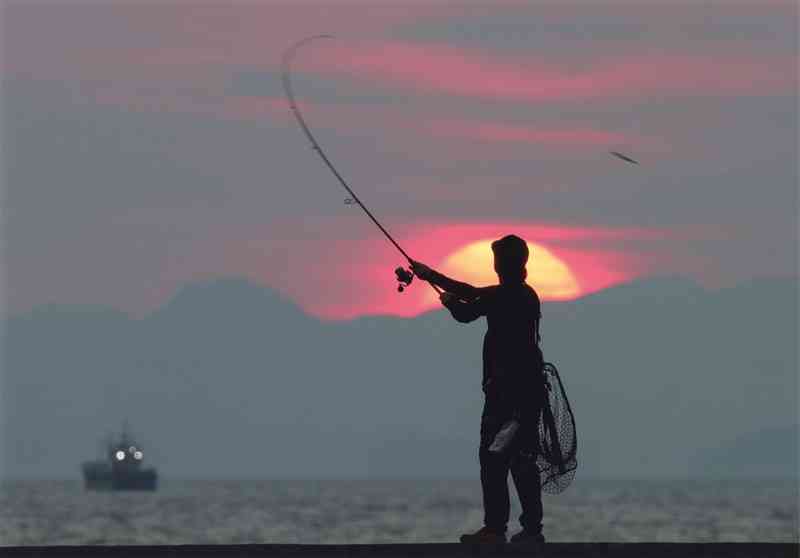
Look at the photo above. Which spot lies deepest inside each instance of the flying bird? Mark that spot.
(623, 157)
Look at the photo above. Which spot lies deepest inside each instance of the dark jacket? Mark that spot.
(512, 359)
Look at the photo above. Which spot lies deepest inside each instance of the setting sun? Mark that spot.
(550, 276)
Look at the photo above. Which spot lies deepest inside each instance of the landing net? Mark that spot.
(558, 442)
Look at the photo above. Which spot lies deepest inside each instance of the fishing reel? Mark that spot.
(404, 278)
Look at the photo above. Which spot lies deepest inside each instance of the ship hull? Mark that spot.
(98, 477)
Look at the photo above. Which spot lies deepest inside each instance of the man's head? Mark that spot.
(510, 257)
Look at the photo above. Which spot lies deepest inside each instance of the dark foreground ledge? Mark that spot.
(552, 550)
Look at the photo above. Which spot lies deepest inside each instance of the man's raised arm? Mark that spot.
(464, 312)
(464, 291)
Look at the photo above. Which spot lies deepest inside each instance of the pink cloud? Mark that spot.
(444, 69)
(127, 40)
(347, 274)
(344, 275)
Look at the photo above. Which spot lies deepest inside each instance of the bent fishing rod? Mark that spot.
(404, 276)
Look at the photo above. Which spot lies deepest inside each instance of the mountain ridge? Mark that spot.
(226, 388)
(191, 290)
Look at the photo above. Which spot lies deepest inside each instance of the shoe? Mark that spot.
(485, 535)
(527, 538)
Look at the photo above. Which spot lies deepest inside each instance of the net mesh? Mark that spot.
(558, 442)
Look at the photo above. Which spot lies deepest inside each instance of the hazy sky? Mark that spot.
(148, 144)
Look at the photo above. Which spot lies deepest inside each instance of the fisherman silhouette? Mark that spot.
(512, 383)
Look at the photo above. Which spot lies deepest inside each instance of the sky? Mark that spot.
(147, 145)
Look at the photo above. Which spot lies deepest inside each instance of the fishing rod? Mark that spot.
(404, 276)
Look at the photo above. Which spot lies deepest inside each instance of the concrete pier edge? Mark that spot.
(434, 550)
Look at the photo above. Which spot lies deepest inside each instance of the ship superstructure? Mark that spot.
(122, 468)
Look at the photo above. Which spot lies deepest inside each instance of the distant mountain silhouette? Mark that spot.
(768, 453)
(229, 379)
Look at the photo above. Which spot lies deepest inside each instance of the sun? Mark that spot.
(550, 276)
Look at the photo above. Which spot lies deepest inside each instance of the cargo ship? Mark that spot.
(121, 469)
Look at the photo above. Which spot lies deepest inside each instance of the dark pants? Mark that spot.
(494, 476)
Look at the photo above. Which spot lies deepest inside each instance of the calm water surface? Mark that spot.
(379, 511)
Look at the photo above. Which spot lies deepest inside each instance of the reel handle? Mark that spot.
(404, 278)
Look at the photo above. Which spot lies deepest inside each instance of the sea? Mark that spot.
(389, 511)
